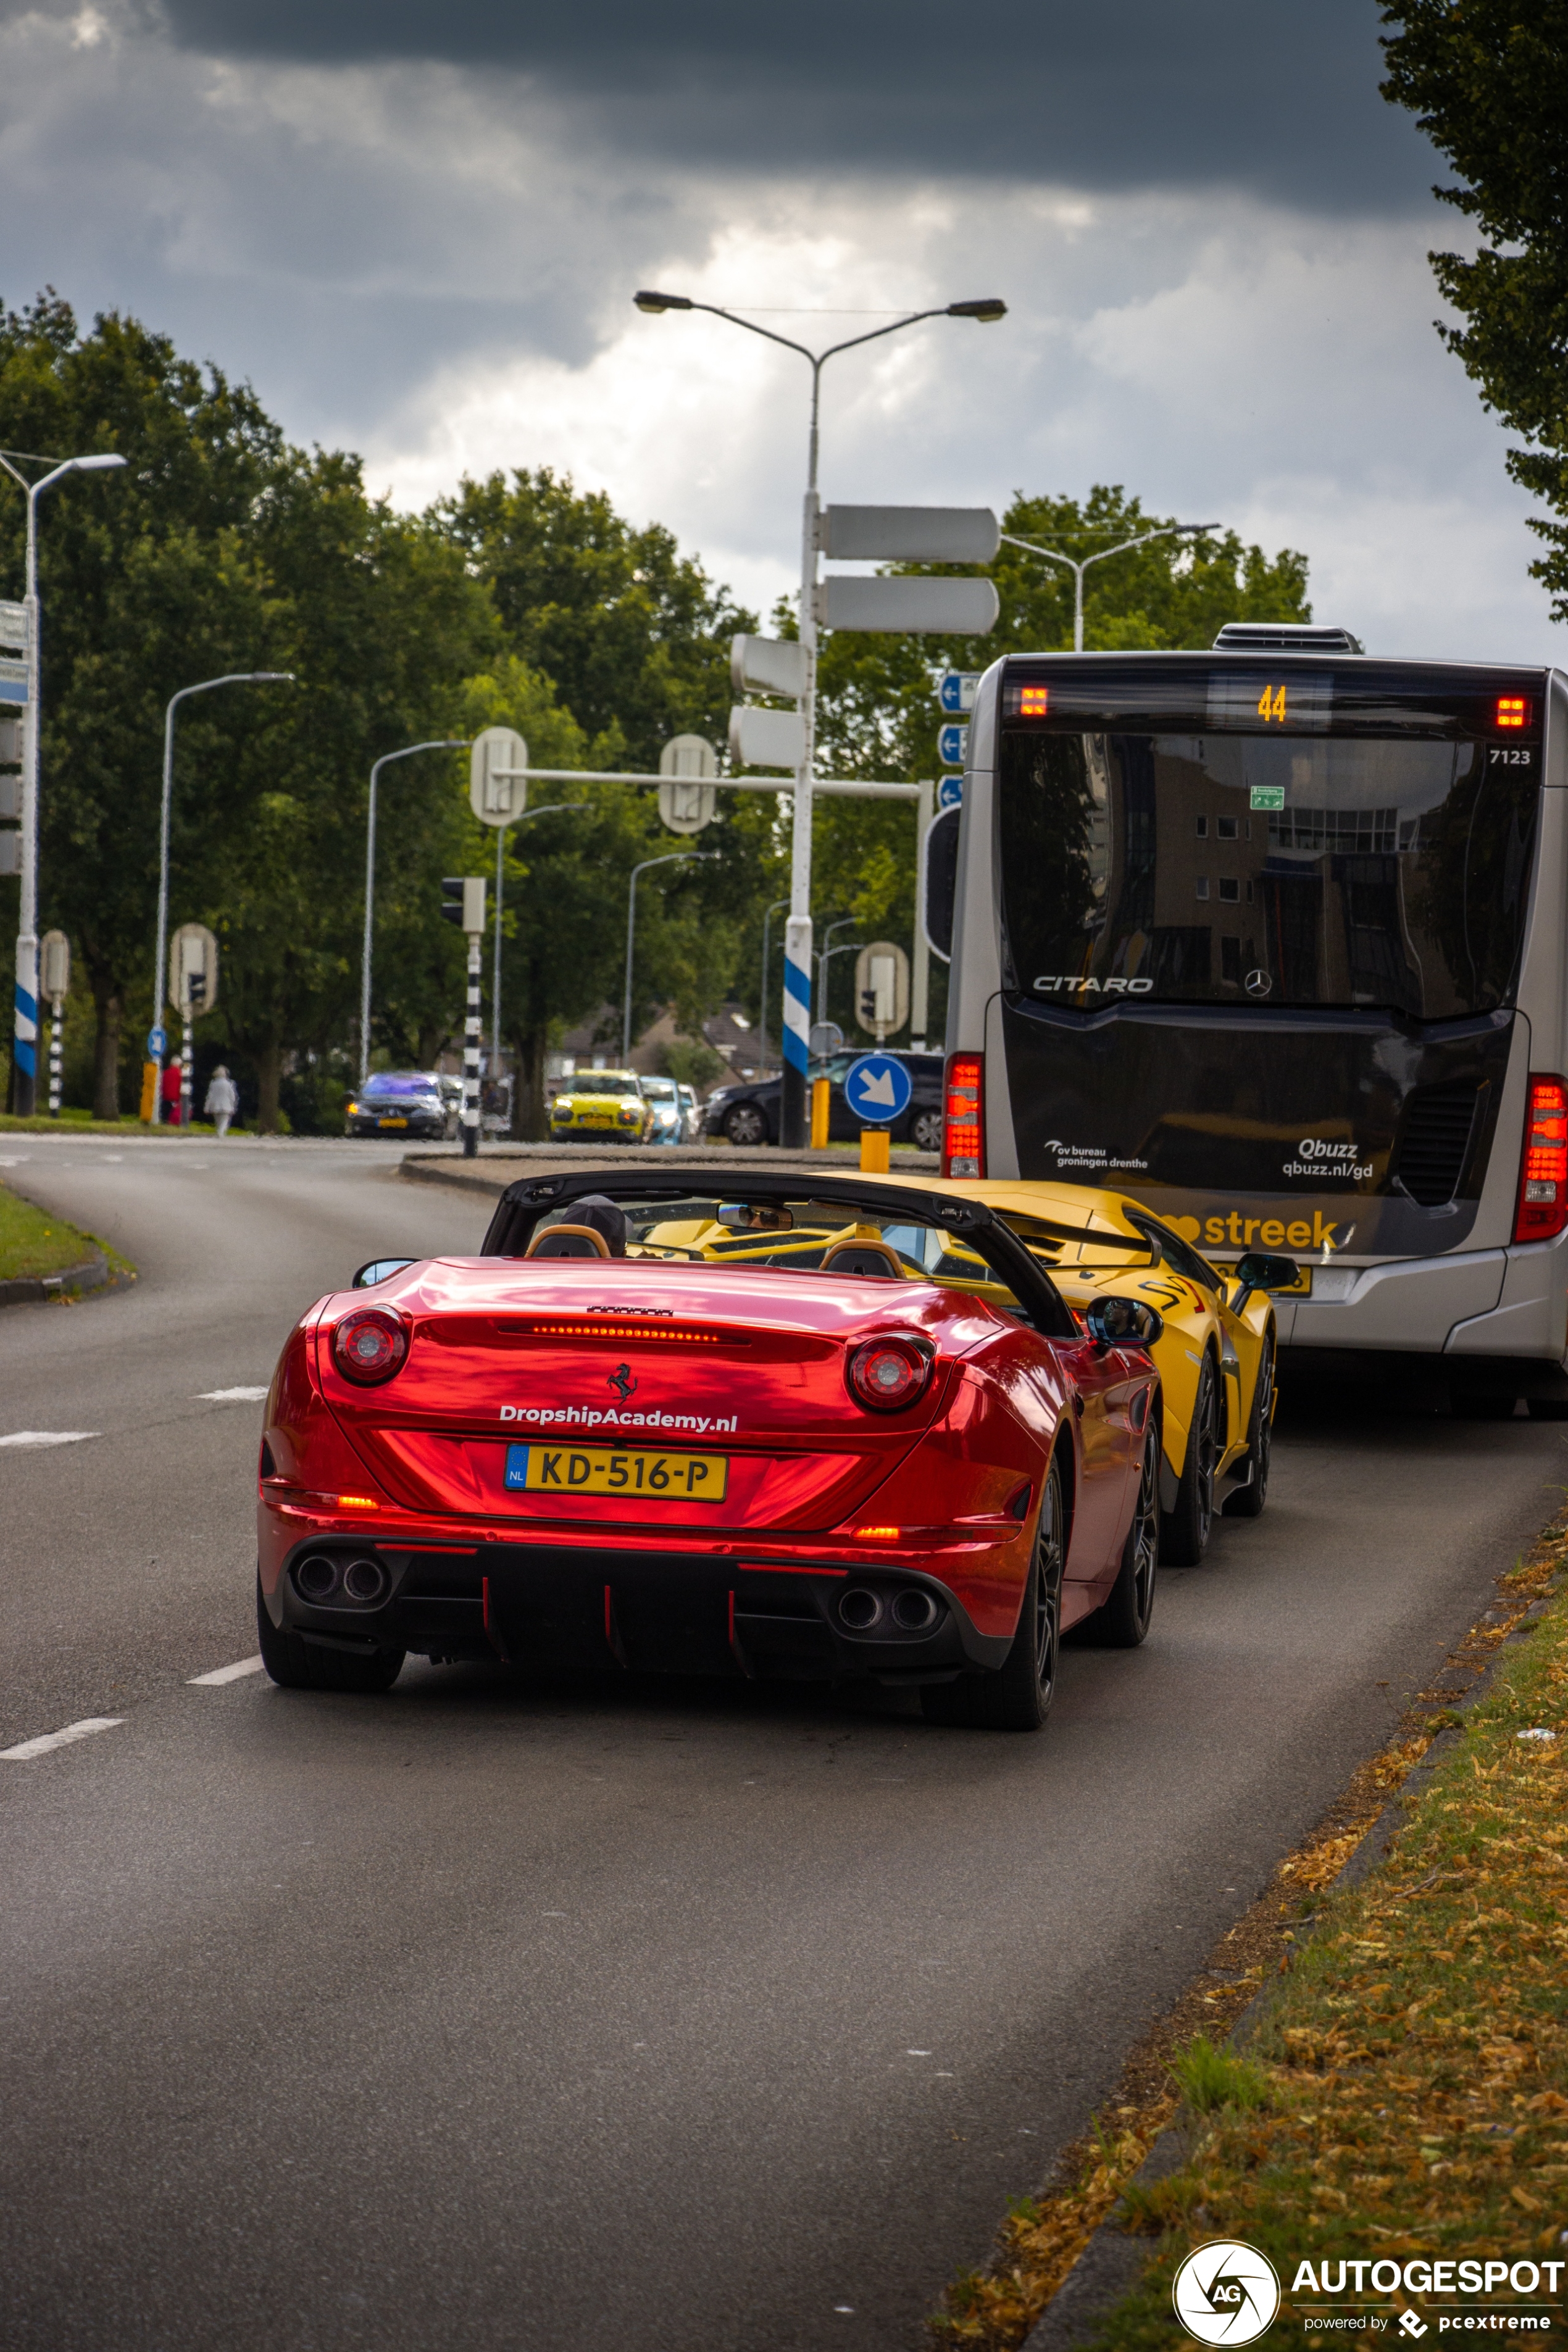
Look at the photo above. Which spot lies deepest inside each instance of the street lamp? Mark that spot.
(25, 1031)
(205, 686)
(777, 908)
(447, 744)
(797, 931)
(670, 858)
(824, 958)
(1170, 531)
(551, 808)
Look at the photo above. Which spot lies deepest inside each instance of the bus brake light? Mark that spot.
(1034, 701)
(1512, 710)
(964, 1126)
(1543, 1174)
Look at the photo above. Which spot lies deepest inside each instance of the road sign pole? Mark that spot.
(57, 1055)
(919, 974)
(471, 1053)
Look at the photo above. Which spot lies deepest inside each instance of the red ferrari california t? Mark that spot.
(825, 1431)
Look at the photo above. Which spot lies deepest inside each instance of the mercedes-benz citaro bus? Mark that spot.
(1275, 939)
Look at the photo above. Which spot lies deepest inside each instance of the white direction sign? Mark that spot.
(950, 607)
(908, 534)
(881, 988)
(14, 630)
(498, 793)
(192, 955)
(54, 964)
(956, 690)
(949, 742)
(687, 801)
(13, 681)
(768, 665)
(766, 739)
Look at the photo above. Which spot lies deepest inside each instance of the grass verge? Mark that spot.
(1407, 2092)
(34, 1241)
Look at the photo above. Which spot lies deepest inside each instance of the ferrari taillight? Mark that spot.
(1543, 1171)
(888, 1375)
(370, 1345)
(963, 1122)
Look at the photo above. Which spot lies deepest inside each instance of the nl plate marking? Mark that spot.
(608, 1470)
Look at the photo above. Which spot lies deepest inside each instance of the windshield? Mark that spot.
(600, 1082)
(660, 1090)
(400, 1082)
(808, 1237)
(1297, 869)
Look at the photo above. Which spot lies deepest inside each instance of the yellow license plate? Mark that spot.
(542, 1469)
(392, 1122)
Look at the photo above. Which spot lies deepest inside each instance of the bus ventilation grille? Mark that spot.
(1431, 1157)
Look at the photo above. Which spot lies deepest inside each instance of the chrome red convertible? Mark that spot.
(826, 1431)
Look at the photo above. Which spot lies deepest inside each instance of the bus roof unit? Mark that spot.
(1285, 637)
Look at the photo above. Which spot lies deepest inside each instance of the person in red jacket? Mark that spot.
(169, 1087)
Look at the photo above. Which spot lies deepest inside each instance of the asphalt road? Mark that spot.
(535, 2018)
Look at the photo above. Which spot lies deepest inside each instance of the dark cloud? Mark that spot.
(1273, 96)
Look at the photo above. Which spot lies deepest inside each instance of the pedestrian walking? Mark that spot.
(223, 1100)
(169, 1087)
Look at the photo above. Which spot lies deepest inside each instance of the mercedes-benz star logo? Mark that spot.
(621, 1380)
(1258, 983)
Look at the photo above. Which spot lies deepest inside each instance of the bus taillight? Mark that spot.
(1512, 710)
(964, 1123)
(1543, 1174)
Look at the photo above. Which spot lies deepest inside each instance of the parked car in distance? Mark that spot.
(749, 1113)
(397, 1102)
(600, 1106)
(663, 1098)
(690, 1114)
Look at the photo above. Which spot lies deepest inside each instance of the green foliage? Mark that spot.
(691, 1062)
(633, 635)
(1211, 2079)
(1484, 79)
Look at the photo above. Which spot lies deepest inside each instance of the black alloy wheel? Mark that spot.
(745, 1124)
(1247, 1501)
(925, 1130)
(1191, 1518)
(1018, 1696)
(1121, 1621)
(297, 1664)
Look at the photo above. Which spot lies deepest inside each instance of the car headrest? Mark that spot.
(878, 1259)
(567, 1241)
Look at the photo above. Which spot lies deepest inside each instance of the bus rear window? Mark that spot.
(1306, 868)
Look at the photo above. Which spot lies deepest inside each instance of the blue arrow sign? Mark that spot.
(950, 792)
(157, 1044)
(877, 1089)
(949, 742)
(956, 690)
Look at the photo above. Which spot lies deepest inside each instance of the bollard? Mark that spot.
(874, 1144)
(821, 1110)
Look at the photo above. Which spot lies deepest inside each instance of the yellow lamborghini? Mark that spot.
(601, 1107)
(1216, 1356)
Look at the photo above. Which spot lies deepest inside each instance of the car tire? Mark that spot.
(1547, 1408)
(745, 1126)
(925, 1130)
(1190, 1520)
(1018, 1696)
(297, 1664)
(1247, 1501)
(1121, 1621)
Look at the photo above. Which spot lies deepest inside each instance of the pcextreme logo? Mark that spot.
(1225, 2292)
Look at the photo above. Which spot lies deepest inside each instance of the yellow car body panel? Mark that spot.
(596, 1115)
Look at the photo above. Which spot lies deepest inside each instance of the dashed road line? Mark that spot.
(25, 1750)
(48, 1436)
(230, 1396)
(224, 1673)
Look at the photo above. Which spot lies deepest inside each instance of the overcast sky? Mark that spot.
(416, 231)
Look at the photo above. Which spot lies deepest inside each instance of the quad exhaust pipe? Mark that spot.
(861, 1607)
(321, 1575)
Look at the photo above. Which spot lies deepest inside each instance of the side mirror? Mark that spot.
(1123, 1323)
(1257, 1272)
(379, 1269)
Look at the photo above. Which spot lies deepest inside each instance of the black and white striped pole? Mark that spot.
(463, 902)
(54, 981)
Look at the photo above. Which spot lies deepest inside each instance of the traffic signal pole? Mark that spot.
(471, 1050)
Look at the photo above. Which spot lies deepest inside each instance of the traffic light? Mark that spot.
(463, 901)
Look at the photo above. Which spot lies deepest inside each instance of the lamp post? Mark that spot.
(550, 808)
(670, 858)
(1077, 568)
(777, 908)
(824, 958)
(203, 685)
(797, 931)
(25, 1019)
(447, 744)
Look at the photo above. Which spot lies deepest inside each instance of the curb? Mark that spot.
(1113, 2260)
(484, 1174)
(28, 1289)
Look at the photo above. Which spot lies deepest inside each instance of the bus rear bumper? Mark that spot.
(1498, 1315)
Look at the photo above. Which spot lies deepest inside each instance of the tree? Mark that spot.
(1488, 82)
(632, 633)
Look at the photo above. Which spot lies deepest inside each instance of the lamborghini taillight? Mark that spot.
(1543, 1171)
(964, 1120)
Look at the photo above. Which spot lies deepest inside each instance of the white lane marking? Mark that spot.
(230, 1396)
(48, 1436)
(112, 1158)
(26, 1750)
(224, 1673)
(20, 1160)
